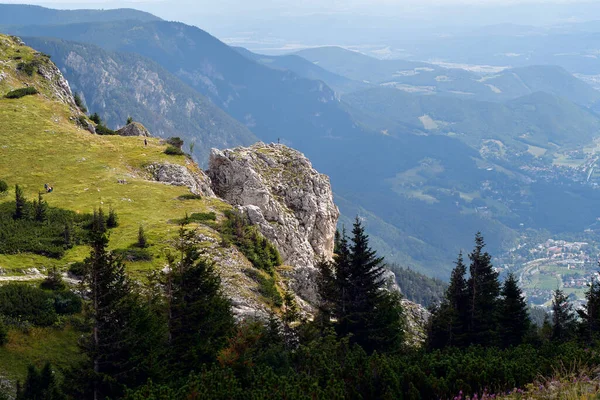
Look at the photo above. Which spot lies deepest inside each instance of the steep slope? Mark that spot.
(273, 103)
(21, 14)
(119, 85)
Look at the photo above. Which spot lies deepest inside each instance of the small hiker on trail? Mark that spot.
(145, 142)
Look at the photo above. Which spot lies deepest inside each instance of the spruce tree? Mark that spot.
(448, 324)
(514, 317)
(125, 335)
(563, 318)
(200, 317)
(20, 203)
(371, 314)
(484, 290)
(142, 242)
(40, 208)
(590, 313)
(113, 220)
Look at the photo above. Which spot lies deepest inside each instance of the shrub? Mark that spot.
(133, 254)
(18, 93)
(190, 196)
(3, 186)
(197, 217)
(60, 230)
(175, 142)
(95, 118)
(79, 104)
(67, 303)
(53, 281)
(103, 130)
(27, 302)
(173, 151)
(29, 68)
(129, 120)
(261, 253)
(266, 287)
(78, 269)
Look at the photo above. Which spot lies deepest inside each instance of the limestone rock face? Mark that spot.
(134, 129)
(179, 175)
(280, 191)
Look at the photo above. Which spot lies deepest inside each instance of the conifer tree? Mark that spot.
(371, 314)
(20, 203)
(514, 317)
(113, 220)
(200, 317)
(142, 242)
(563, 318)
(448, 324)
(125, 334)
(40, 208)
(484, 290)
(590, 313)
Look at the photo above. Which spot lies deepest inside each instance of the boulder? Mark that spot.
(134, 129)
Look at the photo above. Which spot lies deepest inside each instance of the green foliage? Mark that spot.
(39, 229)
(79, 103)
(236, 228)
(78, 269)
(18, 93)
(514, 316)
(129, 120)
(113, 220)
(40, 385)
(197, 217)
(133, 254)
(176, 142)
(266, 287)
(142, 241)
(190, 196)
(589, 314)
(417, 287)
(29, 68)
(28, 303)
(53, 281)
(3, 333)
(103, 130)
(200, 314)
(563, 317)
(3, 186)
(174, 151)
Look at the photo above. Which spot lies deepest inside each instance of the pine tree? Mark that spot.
(514, 317)
(142, 242)
(484, 291)
(113, 220)
(125, 334)
(448, 324)
(590, 314)
(129, 120)
(40, 208)
(371, 314)
(20, 203)
(53, 281)
(563, 318)
(200, 317)
(98, 223)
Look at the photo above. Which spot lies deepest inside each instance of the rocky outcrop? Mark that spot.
(417, 318)
(287, 199)
(180, 175)
(280, 191)
(57, 82)
(134, 129)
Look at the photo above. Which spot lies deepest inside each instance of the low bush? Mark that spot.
(261, 253)
(174, 151)
(133, 254)
(175, 142)
(28, 303)
(266, 287)
(190, 196)
(3, 333)
(29, 68)
(78, 269)
(67, 303)
(53, 281)
(60, 230)
(18, 93)
(3, 186)
(103, 130)
(79, 103)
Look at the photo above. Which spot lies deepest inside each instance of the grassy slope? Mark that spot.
(39, 144)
